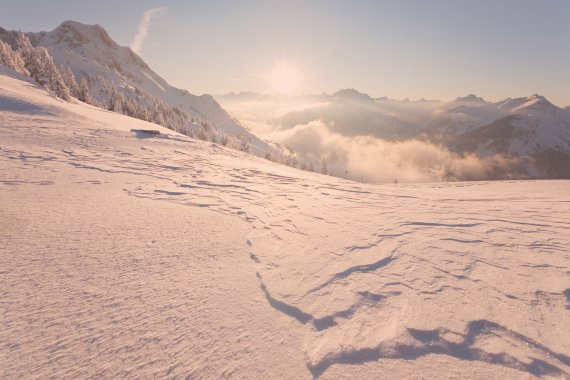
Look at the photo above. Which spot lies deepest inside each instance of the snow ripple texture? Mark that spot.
(475, 272)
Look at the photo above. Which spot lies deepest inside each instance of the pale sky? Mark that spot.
(436, 49)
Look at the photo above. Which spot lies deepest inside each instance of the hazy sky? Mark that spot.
(417, 49)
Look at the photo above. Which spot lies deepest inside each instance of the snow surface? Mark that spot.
(126, 256)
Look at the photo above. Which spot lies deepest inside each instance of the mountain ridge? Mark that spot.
(528, 129)
(93, 56)
(357, 93)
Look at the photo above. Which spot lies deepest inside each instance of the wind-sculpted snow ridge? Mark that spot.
(452, 279)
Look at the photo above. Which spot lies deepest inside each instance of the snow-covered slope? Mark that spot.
(91, 53)
(531, 128)
(125, 256)
(535, 124)
(462, 115)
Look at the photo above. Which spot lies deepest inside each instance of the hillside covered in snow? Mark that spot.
(126, 255)
(116, 77)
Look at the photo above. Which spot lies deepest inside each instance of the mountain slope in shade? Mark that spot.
(471, 112)
(125, 256)
(461, 115)
(525, 127)
(92, 54)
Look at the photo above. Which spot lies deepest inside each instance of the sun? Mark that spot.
(283, 78)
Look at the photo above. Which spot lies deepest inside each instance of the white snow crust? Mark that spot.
(168, 257)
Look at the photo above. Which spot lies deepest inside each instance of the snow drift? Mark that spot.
(171, 257)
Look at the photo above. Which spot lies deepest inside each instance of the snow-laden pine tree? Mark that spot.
(112, 102)
(24, 47)
(39, 63)
(48, 75)
(11, 59)
(69, 80)
(119, 101)
(83, 93)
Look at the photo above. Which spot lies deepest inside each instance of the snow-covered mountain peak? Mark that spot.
(536, 103)
(75, 34)
(90, 41)
(537, 98)
(352, 94)
(510, 103)
(471, 98)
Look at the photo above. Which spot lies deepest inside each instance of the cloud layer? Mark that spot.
(143, 27)
(350, 153)
(370, 159)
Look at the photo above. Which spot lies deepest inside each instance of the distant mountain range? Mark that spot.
(529, 129)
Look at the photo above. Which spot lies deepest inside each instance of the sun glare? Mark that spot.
(283, 79)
